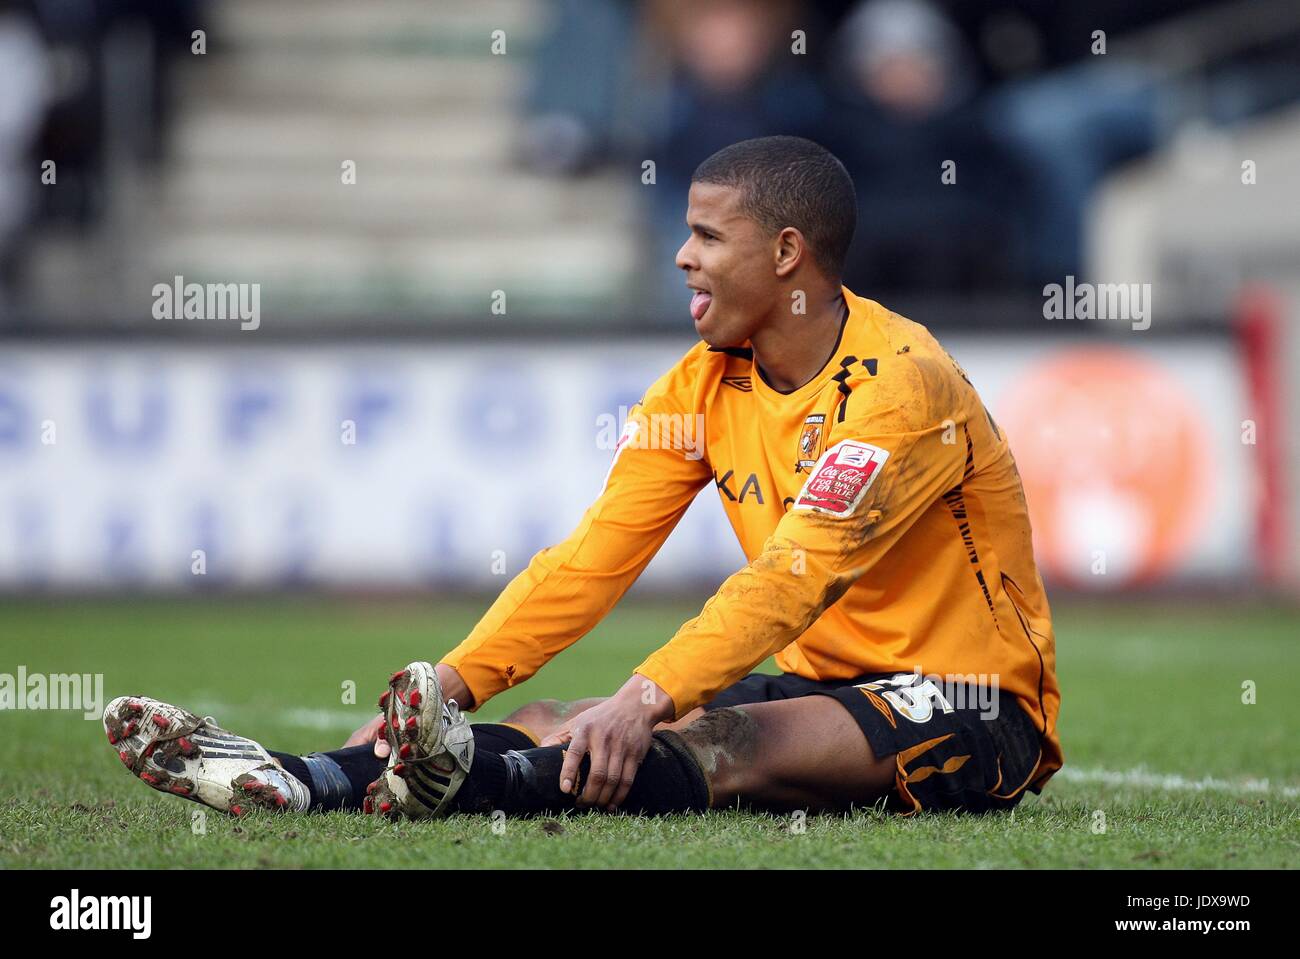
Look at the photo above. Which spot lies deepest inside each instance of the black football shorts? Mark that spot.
(958, 746)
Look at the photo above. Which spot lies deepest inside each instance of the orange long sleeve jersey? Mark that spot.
(879, 508)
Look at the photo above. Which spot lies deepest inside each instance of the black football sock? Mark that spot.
(294, 766)
(337, 780)
(524, 782)
(499, 737)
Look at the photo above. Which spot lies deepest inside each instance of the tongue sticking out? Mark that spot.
(700, 303)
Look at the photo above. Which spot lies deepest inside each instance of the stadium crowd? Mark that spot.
(976, 130)
(57, 61)
(1031, 106)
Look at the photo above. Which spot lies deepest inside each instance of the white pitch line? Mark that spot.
(1173, 782)
(304, 718)
(327, 718)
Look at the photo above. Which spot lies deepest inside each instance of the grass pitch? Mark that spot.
(1165, 764)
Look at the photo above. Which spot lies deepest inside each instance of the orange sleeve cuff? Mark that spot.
(483, 681)
(684, 699)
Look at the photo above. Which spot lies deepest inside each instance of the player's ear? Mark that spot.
(788, 251)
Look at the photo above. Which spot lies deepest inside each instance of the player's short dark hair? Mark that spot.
(790, 181)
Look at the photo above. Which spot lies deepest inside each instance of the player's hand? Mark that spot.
(371, 732)
(616, 734)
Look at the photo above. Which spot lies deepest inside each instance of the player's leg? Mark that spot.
(922, 744)
(435, 769)
(784, 743)
(184, 754)
(179, 752)
(806, 753)
(338, 780)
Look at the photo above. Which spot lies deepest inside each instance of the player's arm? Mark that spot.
(567, 589)
(877, 476)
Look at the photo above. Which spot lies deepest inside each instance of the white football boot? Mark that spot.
(177, 752)
(431, 745)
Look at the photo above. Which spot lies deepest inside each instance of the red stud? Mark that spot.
(371, 788)
(187, 747)
(149, 779)
(399, 769)
(410, 723)
(396, 676)
(413, 700)
(112, 738)
(126, 760)
(162, 722)
(135, 707)
(280, 800)
(367, 806)
(148, 750)
(395, 723)
(237, 810)
(129, 730)
(180, 790)
(405, 751)
(385, 806)
(383, 698)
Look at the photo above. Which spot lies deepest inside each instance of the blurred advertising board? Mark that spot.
(427, 465)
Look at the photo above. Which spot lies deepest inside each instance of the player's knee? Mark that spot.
(541, 718)
(728, 729)
(725, 741)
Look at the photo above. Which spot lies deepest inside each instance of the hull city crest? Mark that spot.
(810, 443)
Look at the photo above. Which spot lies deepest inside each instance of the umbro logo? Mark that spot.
(741, 383)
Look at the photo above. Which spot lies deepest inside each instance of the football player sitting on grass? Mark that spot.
(889, 570)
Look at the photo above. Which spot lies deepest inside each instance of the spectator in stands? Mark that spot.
(906, 122)
(1069, 110)
(1013, 92)
(572, 114)
(1066, 131)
